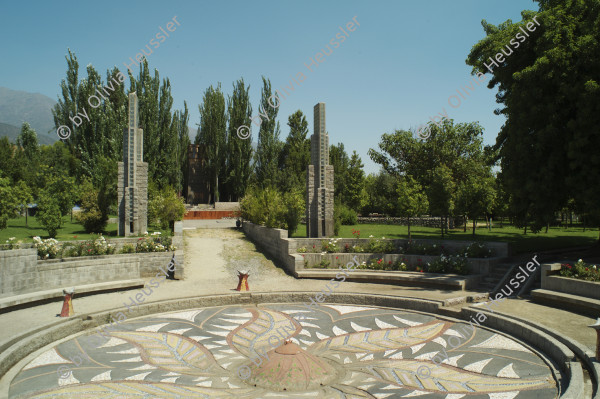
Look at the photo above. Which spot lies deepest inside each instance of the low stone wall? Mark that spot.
(476, 266)
(499, 249)
(285, 250)
(275, 243)
(589, 289)
(23, 273)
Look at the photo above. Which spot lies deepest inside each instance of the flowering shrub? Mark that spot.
(323, 264)
(46, 249)
(154, 243)
(302, 250)
(379, 246)
(477, 250)
(355, 233)
(12, 243)
(580, 270)
(93, 247)
(330, 246)
(421, 249)
(127, 249)
(449, 264)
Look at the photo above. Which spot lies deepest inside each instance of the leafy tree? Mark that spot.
(475, 196)
(340, 161)
(211, 135)
(28, 141)
(441, 194)
(49, 214)
(264, 206)
(548, 145)
(355, 183)
(295, 154)
(239, 151)
(294, 204)
(90, 216)
(269, 146)
(181, 126)
(380, 194)
(165, 206)
(9, 201)
(62, 188)
(24, 196)
(412, 201)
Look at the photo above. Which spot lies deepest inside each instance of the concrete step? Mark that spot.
(35, 298)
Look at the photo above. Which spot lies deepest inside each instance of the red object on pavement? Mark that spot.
(67, 308)
(243, 283)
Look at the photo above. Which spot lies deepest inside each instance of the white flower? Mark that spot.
(371, 236)
(580, 260)
(383, 238)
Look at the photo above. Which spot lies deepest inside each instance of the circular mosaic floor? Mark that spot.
(335, 351)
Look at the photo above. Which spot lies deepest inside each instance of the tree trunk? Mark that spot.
(27, 211)
(442, 225)
(465, 223)
(525, 231)
(474, 225)
(547, 227)
(409, 228)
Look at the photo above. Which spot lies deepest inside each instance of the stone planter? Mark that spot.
(573, 286)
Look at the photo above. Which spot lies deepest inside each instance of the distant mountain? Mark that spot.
(17, 107)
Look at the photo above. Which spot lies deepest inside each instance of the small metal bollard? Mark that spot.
(597, 328)
(67, 308)
(243, 283)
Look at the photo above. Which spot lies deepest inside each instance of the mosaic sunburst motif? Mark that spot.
(360, 352)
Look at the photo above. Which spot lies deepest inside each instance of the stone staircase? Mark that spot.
(490, 282)
(502, 274)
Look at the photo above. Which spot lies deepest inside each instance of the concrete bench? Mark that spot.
(454, 282)
(34, 298)
(578, 304)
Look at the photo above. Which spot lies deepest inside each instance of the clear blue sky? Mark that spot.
(394, 71)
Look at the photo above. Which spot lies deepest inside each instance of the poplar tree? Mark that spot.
(239, 151)
(295, 154)
(212, 136)
(269, 146)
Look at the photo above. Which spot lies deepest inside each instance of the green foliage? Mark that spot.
(330, 245)
(9, 201)
(239, 151)
(449, 264)
(477, 250)
(49, 214)
(476, 196)
(380, 194)
(211, 136)
(377, 245)
(154, 243)
(294, 204)
(93, 247)
(268, 147)
(412, 201)
(46, 249)
(340, 161)
(354, 190)
(580, 270)
(548, 145)
(295, 154)
(127, 249)
(90, 216)
(164, 207)
(28, 141)
(263, 206)
(347, 216)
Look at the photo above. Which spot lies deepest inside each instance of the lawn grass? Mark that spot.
(557, 237)
(70, 230)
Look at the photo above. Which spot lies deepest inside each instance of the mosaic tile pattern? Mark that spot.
(359, 352)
